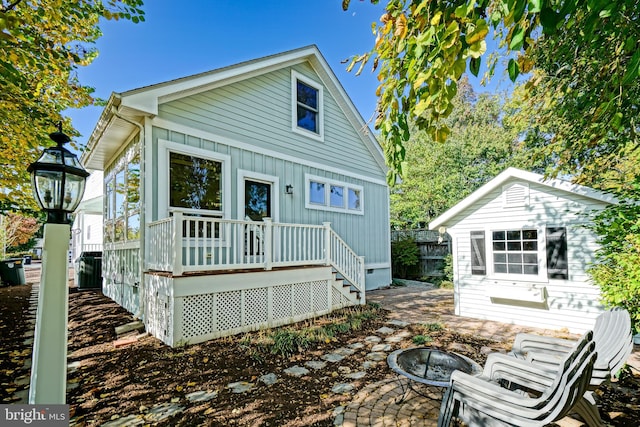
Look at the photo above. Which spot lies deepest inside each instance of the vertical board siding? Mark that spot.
(573, 303)
(367, 235)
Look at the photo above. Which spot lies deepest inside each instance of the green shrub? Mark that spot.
(404, 256)
(421, 339)
(433, 326)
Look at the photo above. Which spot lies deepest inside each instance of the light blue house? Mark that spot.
(246, 197)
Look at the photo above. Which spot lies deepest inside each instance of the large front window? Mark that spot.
(194, 182)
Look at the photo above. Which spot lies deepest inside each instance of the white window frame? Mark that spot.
(541, 256)
(166, 147)
(274, 181)
(295, 77)
(326, 206)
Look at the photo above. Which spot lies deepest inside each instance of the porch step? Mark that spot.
(131, 326)
(338, 279)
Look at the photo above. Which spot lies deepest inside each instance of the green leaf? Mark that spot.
(513, 69)
(517, 38)
(535, 6)
(474, 65)
(549, 20)
(518, 10)
(633, 69)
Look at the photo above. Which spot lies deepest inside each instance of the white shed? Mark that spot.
(521, 251)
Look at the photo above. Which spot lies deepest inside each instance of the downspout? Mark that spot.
(140, 313)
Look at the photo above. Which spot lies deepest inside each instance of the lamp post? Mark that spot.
(58, 180)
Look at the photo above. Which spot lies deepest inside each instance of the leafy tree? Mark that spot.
(41, 46)
(587, 52)
(481, 145)
(617, 271)
(16, 230)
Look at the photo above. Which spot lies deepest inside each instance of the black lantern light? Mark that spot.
(58, 180)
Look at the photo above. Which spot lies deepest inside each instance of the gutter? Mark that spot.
(114, 110)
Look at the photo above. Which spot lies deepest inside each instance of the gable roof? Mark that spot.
(514, 173)
(124, 111)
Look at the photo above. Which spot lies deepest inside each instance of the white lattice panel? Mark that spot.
(282, 302)
(228, 310)
(256, 306)
(302, 298)
(198, 315)
(337, 299)
(320, 296)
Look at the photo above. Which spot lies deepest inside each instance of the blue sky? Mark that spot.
(179, 39)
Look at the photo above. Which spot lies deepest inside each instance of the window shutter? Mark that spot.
(478, 258)
(557, 265)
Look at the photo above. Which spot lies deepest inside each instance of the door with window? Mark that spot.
(257, 206)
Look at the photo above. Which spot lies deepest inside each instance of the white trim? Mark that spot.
(524, 176)
(295, 77)
(164, 147)
(377, 266)
(147, 98)
(328, 184)
(230, 142)
(274, 181)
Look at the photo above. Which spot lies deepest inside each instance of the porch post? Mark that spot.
(177, 243)
(362, 280)
(268, 245)
(327, 243)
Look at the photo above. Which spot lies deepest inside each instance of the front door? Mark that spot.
(257, 200)
(257, 205)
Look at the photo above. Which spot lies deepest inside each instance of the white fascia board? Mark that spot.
(514, 173)
(146, 99)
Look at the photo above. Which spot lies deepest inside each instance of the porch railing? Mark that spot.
(209, 244)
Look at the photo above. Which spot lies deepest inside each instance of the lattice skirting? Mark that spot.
(217, 314)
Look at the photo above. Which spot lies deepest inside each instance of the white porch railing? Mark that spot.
(209, 244)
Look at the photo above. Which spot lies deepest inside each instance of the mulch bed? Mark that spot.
(109, 383)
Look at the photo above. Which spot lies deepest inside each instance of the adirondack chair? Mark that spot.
(551, 393)
(614, 343)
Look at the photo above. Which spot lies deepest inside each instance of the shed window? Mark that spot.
(478, 258)
(557, 265)
(515, 252)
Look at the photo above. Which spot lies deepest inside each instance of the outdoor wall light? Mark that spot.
(58, 180)
(288, 189)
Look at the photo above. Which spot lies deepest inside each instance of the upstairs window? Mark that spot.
(307, 106)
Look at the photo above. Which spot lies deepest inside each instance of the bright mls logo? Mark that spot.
(34, 415)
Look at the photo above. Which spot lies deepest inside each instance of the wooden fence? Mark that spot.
(433, 247)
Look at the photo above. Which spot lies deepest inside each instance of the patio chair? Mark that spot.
(614, 343)
(544, 394)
